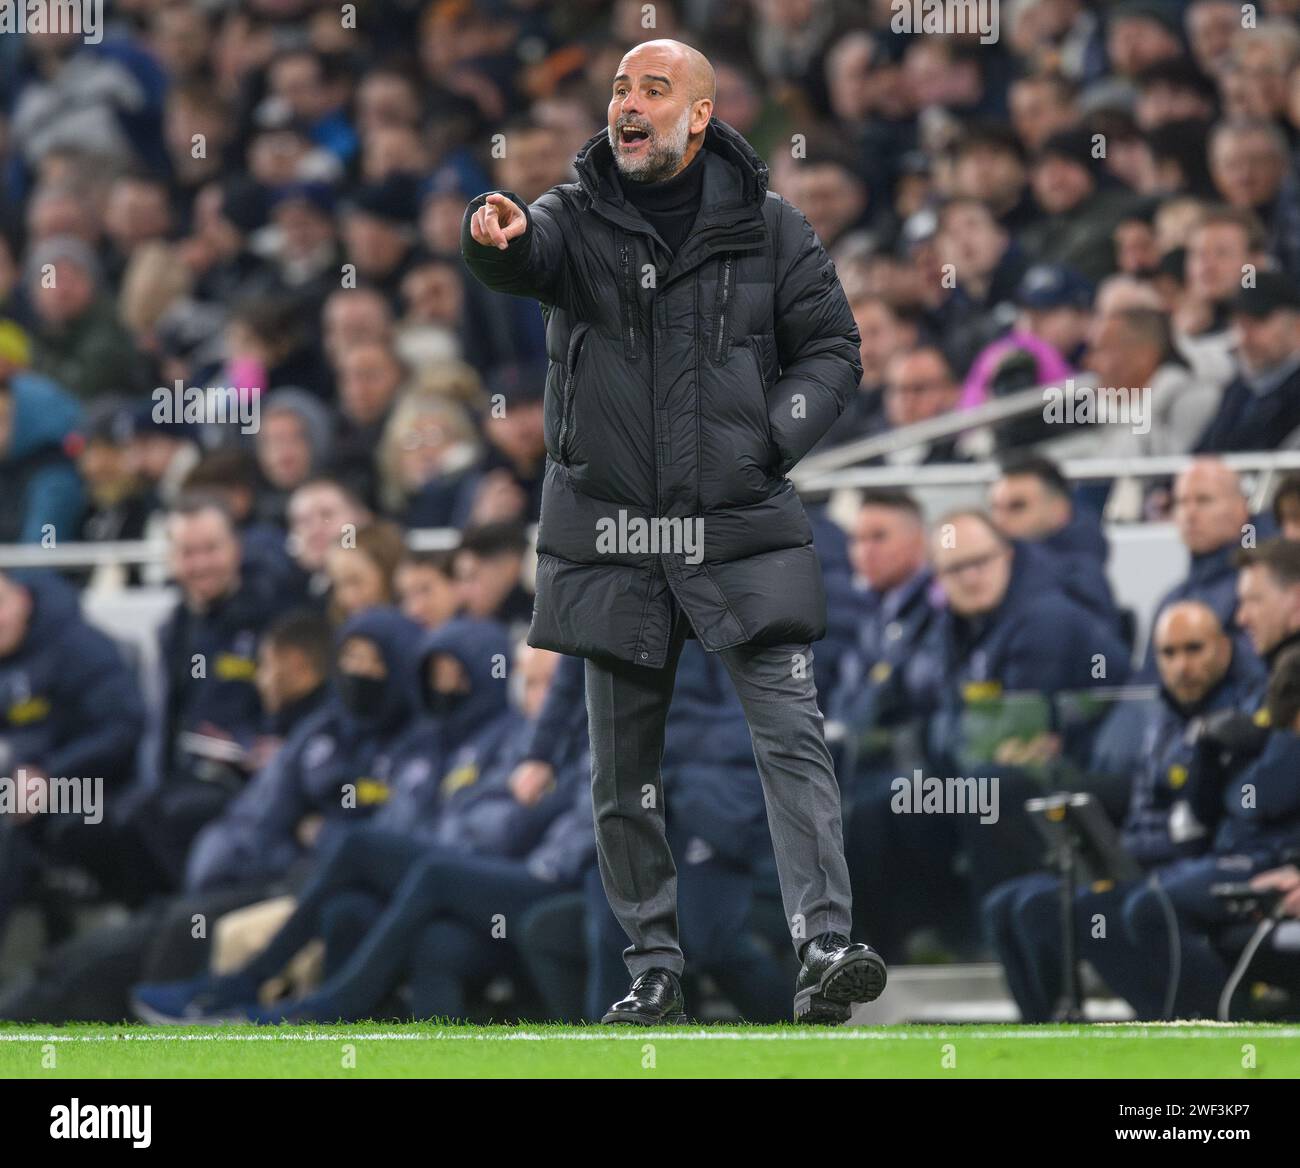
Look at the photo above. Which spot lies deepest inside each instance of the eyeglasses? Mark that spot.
(948, 571)
(418, 439)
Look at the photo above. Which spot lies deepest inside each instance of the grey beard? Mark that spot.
(663, 159)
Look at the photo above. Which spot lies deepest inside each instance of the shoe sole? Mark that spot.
(152, 1017)
(859, 977)
(618, 1018)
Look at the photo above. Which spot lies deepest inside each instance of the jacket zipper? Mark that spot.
(629, 300)
(724, 297)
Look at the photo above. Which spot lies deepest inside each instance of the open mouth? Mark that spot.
(632, 137)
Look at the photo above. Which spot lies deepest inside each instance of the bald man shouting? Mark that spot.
(700, 344)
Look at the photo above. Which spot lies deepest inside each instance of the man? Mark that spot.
(487, 567)
(1031, 501)
(883, 674)
(1211, 514)
(1133, 348)
(659, 410)
(209, 715)
(881, 696)
(1080, 208)
(1260, 409)
(79, 341)
(1195, 657)
(1012, 640)
(887, 329)
(919, 385)
(370, 376)
(1220, 245)
(70, 711)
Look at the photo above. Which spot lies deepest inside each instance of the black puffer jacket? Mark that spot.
(680, 388)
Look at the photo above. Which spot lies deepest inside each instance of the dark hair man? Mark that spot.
(688, 420)
(1031, 501)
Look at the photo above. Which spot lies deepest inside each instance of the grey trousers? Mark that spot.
(627, 708)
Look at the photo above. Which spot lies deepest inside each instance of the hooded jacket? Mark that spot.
(681, 387)
(471, 733)
(39, 484)
(69, 704)
(336, 762)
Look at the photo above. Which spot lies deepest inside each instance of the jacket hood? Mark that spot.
(597, 170)
(44, 414)
(483, 650)
(1081, 536)
(316, 421)
(55, 605)
(396, 637)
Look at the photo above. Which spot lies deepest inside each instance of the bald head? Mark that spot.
(661, 103)
(1192, 651)
(1209, 506)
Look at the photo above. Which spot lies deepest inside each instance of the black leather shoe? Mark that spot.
(654, 1000)
(836, 973)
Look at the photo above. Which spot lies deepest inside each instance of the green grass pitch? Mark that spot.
(430, 1050)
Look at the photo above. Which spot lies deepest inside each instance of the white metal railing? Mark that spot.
(154, 551)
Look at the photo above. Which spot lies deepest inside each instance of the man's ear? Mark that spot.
(701, 114)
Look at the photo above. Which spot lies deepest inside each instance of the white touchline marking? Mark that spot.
(1200, 1030)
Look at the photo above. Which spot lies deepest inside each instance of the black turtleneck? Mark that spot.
(670, 206)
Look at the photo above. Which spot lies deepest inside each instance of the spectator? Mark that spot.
(118, 503)
(1080, 207)
(489, 562)
(356, 736)
(1213, 523)
(294, 443)
(886, 330)
(426, 589)
(1054, 310)
(1261, 405)
(427, 461)
(79, 341)
(209, 712)
(72, 710)
(1134, 348)
(1286, 507)
(41, 495)
(510, 489)
(322, 515)
(1030, 501)
(370, 376)
(1221, 246)
(361, 569)
(920, 386)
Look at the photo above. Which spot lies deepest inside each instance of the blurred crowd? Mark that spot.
(262, 196)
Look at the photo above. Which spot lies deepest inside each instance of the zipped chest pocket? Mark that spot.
(576, 339)
(722, 307)
(755, 346)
